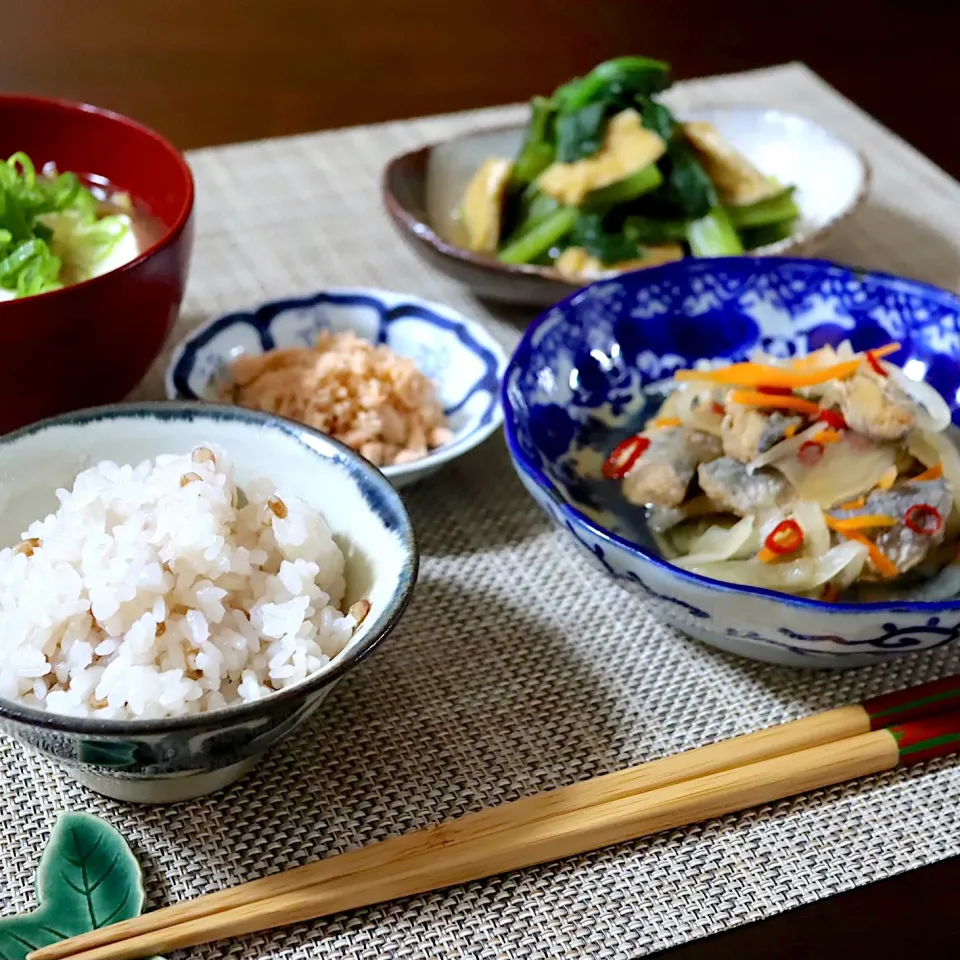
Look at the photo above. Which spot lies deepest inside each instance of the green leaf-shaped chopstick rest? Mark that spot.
(88, 878)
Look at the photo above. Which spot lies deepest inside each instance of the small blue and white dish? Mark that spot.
(458, 354)
(178, 758)
(581, 367)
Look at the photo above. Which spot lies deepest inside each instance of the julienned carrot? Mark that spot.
(762, 375)
(751, 398)
(933, 473)
(865, 521)
(829, 435)
(885, 566)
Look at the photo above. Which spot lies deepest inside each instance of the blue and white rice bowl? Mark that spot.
(572, 389)
(462, 359)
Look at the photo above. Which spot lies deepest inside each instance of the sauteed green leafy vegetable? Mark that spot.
(608, 178)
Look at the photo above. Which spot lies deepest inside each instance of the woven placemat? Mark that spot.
(516, 668)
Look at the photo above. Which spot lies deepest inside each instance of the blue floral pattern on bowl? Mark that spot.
(574, 387)
(457, 354)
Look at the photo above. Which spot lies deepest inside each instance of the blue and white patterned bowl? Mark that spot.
(457, 354)
(572, 386)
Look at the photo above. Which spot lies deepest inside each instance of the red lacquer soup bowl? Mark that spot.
(91, 343)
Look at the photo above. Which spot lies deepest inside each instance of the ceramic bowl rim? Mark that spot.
(424, 231)
(639, 552)
(435, 458)
(803, 238)
(11, 710)
(169, 235)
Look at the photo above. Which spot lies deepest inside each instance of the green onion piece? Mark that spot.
(713, 235)
(30, 268)
(540, 238)
(13, 262)
(29, 171)
(13, 218)
(67, 191)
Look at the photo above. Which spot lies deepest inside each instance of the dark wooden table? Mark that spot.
(214, 71)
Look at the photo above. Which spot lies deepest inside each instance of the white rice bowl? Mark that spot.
(161, 590)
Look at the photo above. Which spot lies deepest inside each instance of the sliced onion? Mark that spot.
(944, 586)
(691, 405)
(785, 448)
(689, 397)
(719, 543)
(672, 405)
(684, 535)
(768, 359)
(920, 446)
(796, 576)
(931, 449)
(705, 422)
(669, 385)
(934, 414)
(849, 575)
(816, 534)
(842, 473)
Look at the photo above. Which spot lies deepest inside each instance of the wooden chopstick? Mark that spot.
(547, 826)
(774, 741)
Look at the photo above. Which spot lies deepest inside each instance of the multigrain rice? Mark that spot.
(161, 590)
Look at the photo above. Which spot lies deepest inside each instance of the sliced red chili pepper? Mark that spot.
(775, 391)
(875, 365)
(810, 453)
(786, 537)
(833, 418)
(624, 456)
(922, 518)
(717, 408)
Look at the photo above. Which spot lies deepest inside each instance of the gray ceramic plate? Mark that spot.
(421, 190)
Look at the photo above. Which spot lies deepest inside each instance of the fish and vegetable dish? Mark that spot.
(56, 230)
(608, 180)
(830, 476)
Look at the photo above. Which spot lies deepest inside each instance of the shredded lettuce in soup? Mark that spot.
(52, 233)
